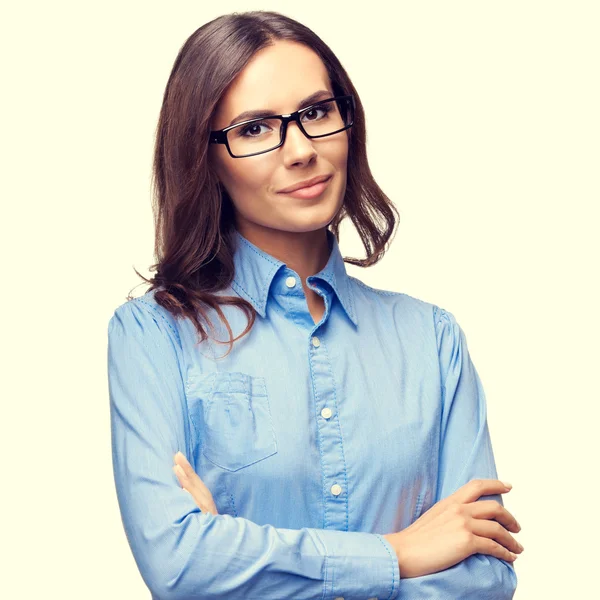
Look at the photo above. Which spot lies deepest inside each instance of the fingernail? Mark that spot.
(515, 556)
(508, 485)
(180, 470)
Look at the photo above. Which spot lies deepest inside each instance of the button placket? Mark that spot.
(333, 464)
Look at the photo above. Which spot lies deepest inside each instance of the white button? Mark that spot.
(315, 341)
(373, 598)
(336, 489)
(339, 598)
(290, 282)
(326, 413)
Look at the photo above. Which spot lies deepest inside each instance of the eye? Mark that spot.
(250, 130)
(311, 114)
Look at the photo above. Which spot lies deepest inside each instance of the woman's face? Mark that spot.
(277, 79)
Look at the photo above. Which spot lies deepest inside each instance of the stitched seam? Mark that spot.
(269, 279)
(236, 284)
(437, 317)
(285, 299)
(263, 256)
(325, 581)
(393, 570)
(376, 290)
(154, 310)
(436, 321)
(349, 295)
(351, 298)
(418, 506)
(266, 257)
(315, 396)
(235, 514)
(341, 435)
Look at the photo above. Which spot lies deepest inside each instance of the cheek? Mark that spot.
(248, 180)
(339, 154)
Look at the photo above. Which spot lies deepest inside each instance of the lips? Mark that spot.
(303, 184)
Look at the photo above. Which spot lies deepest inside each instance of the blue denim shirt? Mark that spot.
(314, 439)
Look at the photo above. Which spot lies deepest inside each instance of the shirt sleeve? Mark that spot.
(182, 552)
(465, 454)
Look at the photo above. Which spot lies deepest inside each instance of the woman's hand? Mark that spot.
(455, 528)
(190, 482)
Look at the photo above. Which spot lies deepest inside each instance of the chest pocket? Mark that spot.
(232, 418)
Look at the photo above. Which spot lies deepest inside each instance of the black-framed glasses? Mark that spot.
(257, 136)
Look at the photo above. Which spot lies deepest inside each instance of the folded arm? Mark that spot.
(465, 454)
(182, 552)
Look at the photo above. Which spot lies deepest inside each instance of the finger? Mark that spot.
(183, 462)
(474, 489)
(203, 504)
(192, 484)
(495, 531)
(485, 545)
(468, 493)
(206, 509)
(192, 478)
(199, 498)
(185, 469)
(200, 493)
(180, 473)
(490, 509)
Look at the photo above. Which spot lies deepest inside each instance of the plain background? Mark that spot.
(483, 128)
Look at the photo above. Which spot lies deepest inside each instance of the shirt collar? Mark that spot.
(255, 270)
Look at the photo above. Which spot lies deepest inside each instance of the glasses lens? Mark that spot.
(262, 135)
(327, 118)
(257, 136)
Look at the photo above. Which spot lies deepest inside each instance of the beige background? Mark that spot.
(483, 128)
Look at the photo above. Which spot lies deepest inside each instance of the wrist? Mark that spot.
(391, 539)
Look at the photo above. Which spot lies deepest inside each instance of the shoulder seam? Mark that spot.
(439, 313)
(376, 290)
(157, 312)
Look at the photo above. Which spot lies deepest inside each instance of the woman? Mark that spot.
(339, 448)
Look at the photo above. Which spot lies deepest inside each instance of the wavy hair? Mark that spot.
(193, 214)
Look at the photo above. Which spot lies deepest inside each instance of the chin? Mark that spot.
(309, 220)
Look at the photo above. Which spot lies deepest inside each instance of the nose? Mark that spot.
(297, 147)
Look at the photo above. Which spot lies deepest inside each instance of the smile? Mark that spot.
(310, 192)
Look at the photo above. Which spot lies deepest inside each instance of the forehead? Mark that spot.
(276, 78)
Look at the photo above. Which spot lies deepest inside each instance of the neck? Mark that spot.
(305, 252)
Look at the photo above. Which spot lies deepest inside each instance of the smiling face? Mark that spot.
(277, 79)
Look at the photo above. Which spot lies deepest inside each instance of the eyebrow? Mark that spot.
(263, 112)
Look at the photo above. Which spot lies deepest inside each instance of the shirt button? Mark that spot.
(339, 598)
(315, 341)
(326, 413)
(373, 598)
(336, 489)
(290, 282)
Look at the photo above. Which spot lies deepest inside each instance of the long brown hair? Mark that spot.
(194, 217)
